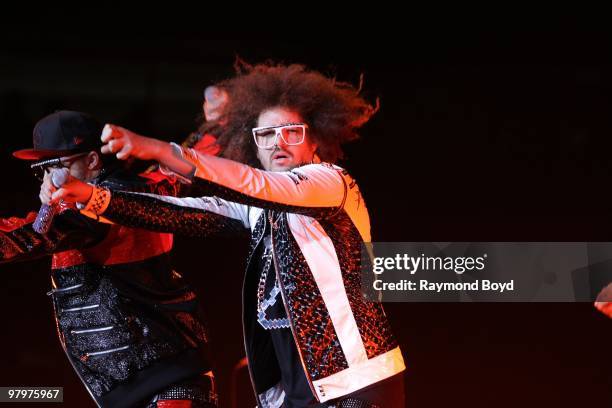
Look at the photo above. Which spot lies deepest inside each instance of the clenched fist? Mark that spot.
(127, 144)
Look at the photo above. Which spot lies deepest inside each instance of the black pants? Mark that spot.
(199, 391)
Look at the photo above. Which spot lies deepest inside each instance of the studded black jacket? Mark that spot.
(318, 221)
(129, 325)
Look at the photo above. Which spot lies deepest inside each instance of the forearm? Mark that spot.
(69, 230)
(311, 190)
(168, 156)
(125, 144)
(182, 216)
(319, 187)
(21, 244)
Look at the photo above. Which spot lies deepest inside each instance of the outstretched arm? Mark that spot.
(202, 216)
(198, 217)
(70, 230)
(316, 189)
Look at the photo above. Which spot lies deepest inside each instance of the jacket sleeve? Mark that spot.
(316, 189)
(70, 230)
(197, 217)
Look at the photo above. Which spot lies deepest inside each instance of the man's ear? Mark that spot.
(94, 161)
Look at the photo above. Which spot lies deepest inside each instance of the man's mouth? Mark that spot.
(280, 156)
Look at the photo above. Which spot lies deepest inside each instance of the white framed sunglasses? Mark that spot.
(292, 134)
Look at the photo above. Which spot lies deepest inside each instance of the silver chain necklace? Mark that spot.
(262, 303)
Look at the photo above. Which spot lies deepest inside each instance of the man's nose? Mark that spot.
(280, 142)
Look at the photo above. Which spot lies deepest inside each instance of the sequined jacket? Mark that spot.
(129, 324)
(318, 223)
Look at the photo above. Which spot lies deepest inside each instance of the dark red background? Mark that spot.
(494, 135)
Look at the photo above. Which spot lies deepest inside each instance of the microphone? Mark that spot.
(44, 219)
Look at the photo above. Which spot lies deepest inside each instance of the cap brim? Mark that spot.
(37, 154)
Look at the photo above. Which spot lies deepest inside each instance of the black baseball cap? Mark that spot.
(63, 133)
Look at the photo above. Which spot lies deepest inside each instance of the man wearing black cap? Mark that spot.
(129, 324)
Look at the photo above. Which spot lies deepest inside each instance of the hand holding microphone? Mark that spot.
(58, 185)
(51, 182)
